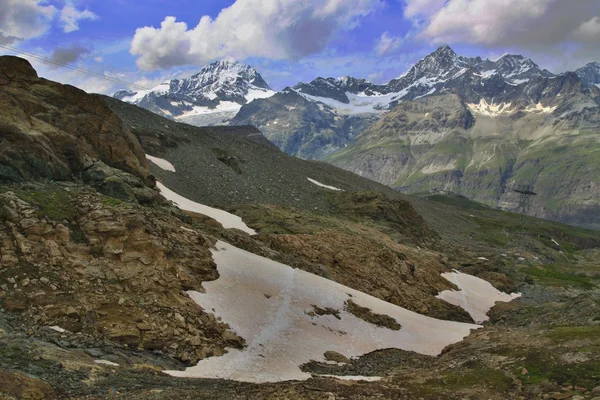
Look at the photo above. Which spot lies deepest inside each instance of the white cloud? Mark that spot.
(553, 29)
(275, 29)
(531, 23)
(70, 17)
(416, 8)
(388, 43)
(24, 19)
(589, 31)
(483, 21)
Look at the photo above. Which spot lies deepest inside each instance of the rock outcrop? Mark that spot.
(53, 131)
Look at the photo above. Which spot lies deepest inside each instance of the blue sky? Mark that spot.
(288, 41)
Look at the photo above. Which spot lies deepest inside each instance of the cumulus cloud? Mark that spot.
(70, 17)
(68, 54)
(542, 28)
(424, 8)
(388, 44)
(589, 31)
(532, 23)
(24, 19)
(275, 29)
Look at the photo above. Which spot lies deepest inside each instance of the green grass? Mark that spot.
(479, 376)
(458, 201)
(110, 201)
(556, 275)
(568, 333)
(55, 205)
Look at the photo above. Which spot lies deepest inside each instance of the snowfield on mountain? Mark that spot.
(289, 317)
(226, 219)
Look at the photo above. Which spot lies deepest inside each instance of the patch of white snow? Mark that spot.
(106, 362)
(352, 378)
(269, 304)
(226, 219)
(475, 295)
(162, 163)
(324, 186)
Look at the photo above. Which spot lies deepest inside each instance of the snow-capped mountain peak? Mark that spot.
(213, 95)
(225, 72)
(441, 62)
(590, 74)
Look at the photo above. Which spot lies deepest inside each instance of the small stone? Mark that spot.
(524, 371)
(121, 301)
(11, 280)
(337, 357)
(180, 319)
(578, 397)
(596, 390)
(144, 327)
(25, 282)
(196, 341)
(71, 312)
(44, 280)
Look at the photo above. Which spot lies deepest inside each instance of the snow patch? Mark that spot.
(432, 91)
(159, 90)
(269, 304)
(475, 295)
(490, 110)
(352, 378)
(106, 362)
(226, 219)
(162, 163)
(540, 109)
(359, 103)
(324, 186)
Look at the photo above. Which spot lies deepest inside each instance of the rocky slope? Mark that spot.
(590, 74)
(210, 97)
(94, 277)
(481, 149)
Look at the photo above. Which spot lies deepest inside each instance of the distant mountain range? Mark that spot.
(468, 125)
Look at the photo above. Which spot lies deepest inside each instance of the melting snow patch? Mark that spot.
(106, 362)
(475, 295)
(271, 306)
(226, 219)
(323, 185)
(352, 378)
(162, 163)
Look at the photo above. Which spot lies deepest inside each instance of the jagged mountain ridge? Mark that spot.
(590, 74)
(209, 97)
(544, 133)
(511, 79)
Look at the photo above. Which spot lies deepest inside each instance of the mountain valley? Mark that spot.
(455, 124)
(112, 286)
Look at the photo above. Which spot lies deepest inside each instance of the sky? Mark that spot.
(287, 41)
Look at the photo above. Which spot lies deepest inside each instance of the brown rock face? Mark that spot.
(63, 129)
(20, 386)
(107, 270)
